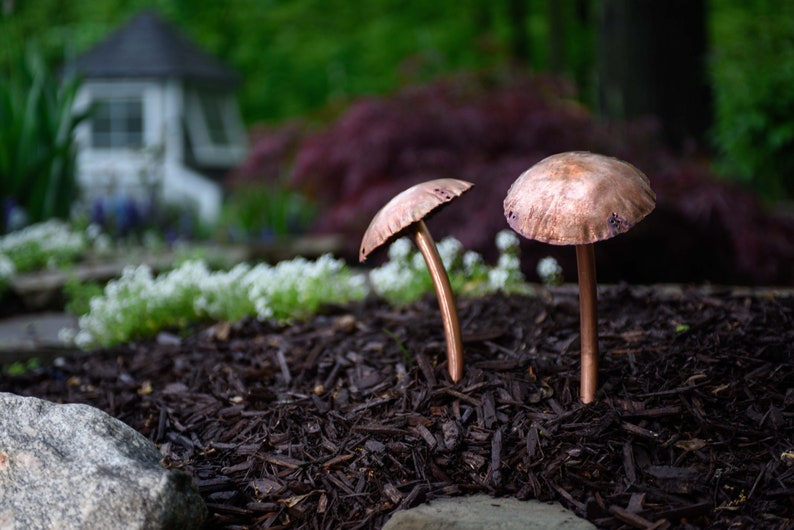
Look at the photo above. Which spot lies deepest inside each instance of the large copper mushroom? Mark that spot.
(579, 198)
(406, 212)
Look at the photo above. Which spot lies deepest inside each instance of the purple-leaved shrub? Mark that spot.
(488, 129)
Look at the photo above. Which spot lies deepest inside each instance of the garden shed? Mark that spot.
(165, 122)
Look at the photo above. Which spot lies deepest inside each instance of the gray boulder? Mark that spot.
(75, 467)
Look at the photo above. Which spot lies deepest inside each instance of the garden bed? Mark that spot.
(340, 420)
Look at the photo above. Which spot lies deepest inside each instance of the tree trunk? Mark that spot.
(518, 11)
(557, 51)
(652, 61)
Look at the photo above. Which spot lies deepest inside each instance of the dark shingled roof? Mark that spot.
(147, 46)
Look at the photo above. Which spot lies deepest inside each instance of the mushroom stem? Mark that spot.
(446, 300)
(588, 311)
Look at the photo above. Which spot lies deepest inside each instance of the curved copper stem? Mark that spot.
(588, 321)
(446, 300)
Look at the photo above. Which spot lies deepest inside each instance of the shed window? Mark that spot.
(212, 108)
(117, 123)
(215, 132)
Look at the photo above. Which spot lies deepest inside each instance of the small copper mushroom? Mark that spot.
(578, 198)
(406, 211)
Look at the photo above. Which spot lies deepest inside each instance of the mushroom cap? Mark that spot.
(578, 197)
(408, 207)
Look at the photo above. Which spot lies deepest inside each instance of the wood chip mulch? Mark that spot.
(341, 420)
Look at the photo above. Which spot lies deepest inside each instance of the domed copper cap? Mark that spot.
(577, 198)
(408, 207)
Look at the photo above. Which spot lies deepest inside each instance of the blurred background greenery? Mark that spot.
(710, 79)
(298, 55)
(308, 57)
(728, 62)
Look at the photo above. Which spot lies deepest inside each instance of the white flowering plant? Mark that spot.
(549, 271)
(404, 278)
(51, 243)
(507, 276)
(139, 304)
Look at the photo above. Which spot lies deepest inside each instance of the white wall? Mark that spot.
(182, 183)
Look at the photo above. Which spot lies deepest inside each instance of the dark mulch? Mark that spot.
(339, 421)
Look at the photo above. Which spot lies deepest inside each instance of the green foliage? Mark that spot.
(299, 56)
(18, 368)
(264, 211)
(406, 354)
(753, 72)
(306, 56)
(37, 152)
(79, 294)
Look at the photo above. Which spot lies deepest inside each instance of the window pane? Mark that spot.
(134, 139)
(101, 118)
(117, 123)
(100, 140)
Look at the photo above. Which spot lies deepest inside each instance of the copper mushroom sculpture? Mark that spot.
(405, 212)
(579, 198)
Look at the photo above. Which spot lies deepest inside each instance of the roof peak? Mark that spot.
(148, 46)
